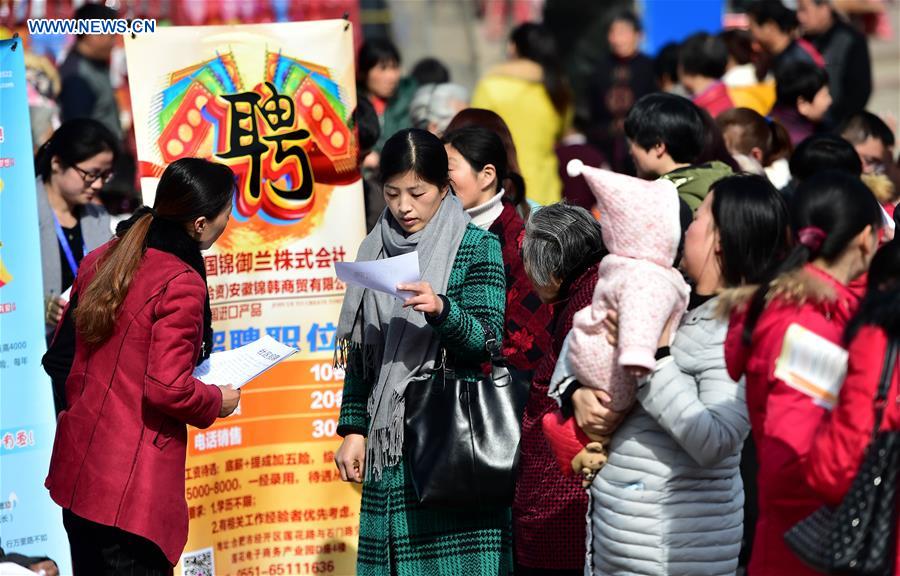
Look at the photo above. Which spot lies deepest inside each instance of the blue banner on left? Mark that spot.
(30, 523)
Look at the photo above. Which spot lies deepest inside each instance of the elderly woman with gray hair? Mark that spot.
(434, 105)
(561, 250)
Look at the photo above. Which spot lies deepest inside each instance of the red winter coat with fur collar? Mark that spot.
(784, 420)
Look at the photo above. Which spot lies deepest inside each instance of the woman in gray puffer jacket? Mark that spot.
(669, 501)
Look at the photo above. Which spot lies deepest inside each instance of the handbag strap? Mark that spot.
(887, 376)
(491, 346)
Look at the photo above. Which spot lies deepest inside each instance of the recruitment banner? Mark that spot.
(274, 102)
(30, 523)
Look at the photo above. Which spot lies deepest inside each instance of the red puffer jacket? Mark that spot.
(119, 453)
(842, 439)
(784, 420)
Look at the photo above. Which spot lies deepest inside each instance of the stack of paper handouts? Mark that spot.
(241, 365)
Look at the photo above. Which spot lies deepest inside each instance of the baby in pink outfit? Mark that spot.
(641, 230)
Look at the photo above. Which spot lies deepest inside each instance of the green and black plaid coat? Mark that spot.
(397, 537)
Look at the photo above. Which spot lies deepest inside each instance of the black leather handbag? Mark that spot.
(858, 536)
(462, 436)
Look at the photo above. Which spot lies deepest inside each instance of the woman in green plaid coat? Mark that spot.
(387, 344)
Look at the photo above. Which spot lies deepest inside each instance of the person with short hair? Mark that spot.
(379, 78)
(702, 62)
(666, 134)
(846, 53)
(434, 105)
(665, 69)
(561, 251)
(87, 90)
(774, 27)
(803, 99)
(824, 152)
(430, 71)
(873, 140)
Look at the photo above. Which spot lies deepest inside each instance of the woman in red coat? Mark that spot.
(137, 325)
(843, 438)
(836, 219)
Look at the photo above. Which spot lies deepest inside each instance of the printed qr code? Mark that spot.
(198, 563)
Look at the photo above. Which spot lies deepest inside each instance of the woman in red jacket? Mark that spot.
(137, 324)
(843, 438)
(836, 219)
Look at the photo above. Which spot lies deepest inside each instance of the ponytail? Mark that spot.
(480, 147)
(536, 43)
(780, 146)
(830, 209)
(514, 185)
(514, 188)
(98, 307)
(188, 189)
(756, 131)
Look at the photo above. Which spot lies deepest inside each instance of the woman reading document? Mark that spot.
(137, 324)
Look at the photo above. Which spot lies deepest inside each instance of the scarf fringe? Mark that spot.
(384, 447)
(349, 353)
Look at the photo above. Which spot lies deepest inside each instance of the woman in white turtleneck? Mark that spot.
(478, 168)
(475, 179)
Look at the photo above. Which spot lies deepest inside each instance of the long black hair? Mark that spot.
(480, 147)
(753, 223)
(833, 204)
(824, 152)
(75, 141)
(515, 188)
(881, 305)
(189, 188)
(797, 80)
(416, 150)
(535, 42)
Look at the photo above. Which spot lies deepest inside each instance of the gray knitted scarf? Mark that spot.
(394, 345)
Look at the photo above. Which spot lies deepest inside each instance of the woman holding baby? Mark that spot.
(669, 499)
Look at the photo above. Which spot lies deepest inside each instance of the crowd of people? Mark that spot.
(651, 267)
(746, 161)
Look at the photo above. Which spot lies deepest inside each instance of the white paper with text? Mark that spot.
(241, 365)
(812, 365)
(381, 275)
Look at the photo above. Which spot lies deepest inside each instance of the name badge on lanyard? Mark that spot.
(66, 248)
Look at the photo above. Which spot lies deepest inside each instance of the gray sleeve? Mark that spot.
(705, 412)
(563, 374)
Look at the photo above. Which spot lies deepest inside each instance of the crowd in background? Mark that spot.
(784, 188)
